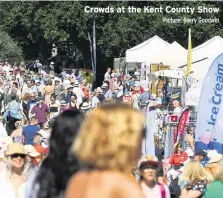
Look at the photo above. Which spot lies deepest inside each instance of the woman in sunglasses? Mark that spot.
(13, 179)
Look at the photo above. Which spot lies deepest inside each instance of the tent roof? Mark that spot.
(173, 55)
(212, 47)
(200, 69)
(141, 52)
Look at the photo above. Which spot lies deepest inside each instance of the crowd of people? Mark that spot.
(59, 138)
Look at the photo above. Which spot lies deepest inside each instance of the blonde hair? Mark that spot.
(110, 139)
(194, 171)
(219, 172)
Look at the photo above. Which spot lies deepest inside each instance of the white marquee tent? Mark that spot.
(212, 47)
(173, 55)
(141, 52)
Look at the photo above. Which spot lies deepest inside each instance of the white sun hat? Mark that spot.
(30, 149)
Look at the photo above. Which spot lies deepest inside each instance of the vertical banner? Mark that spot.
(209, 126)
(182, 123)
(94, 48)
(91, 50)
(189, 56)
(148, 145)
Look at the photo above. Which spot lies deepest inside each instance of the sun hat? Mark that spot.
(148, 160)
(85, 106)
(105, 85)
(56, 79)
(32, 152)
(214, 156)
(16, 148)
(63, 103)
(76, 84)
(69, 86)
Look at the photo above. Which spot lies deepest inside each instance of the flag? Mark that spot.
(189, 55)
(94, 46)
(209, 127)
(92, 61)
(182, 123)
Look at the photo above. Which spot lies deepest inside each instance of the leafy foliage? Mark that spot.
(37, 25)
(8, 48)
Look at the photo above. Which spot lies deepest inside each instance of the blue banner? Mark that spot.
(209, 126)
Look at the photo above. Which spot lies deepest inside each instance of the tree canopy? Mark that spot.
(36, 25)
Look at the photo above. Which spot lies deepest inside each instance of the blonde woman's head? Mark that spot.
(194, 171)
(19, 124)
(110, 139)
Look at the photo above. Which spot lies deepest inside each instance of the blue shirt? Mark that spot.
(29, 132)
(108, 94)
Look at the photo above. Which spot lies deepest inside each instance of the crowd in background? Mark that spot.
(59, 138)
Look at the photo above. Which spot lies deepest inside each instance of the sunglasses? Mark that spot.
(18, 155)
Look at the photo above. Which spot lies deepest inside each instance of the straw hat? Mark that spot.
(105, 85)
(214, 156)
(69, 86)
(32, 152)
(16, 148)
(85, 106)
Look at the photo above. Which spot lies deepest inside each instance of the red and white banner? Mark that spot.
(182, 123)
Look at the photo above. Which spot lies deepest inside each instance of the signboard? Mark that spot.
(127, 99)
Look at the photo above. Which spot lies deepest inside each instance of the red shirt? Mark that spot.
(178, 159)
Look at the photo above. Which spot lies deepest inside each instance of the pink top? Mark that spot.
(154, 192)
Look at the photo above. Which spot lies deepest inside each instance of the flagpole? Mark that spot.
(92, 61)
(189, 55)
(94, 49)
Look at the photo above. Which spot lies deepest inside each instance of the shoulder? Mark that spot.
(113, 184)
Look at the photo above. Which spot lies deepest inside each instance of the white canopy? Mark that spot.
(212, 47)
(173, 55)
(200, 69)
(141, 52)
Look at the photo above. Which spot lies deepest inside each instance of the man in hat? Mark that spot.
(79, 92)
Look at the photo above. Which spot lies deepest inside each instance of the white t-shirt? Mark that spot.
(120, 91)
(6, 189)
(177, 111)
(79, 93)
(66, 83)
